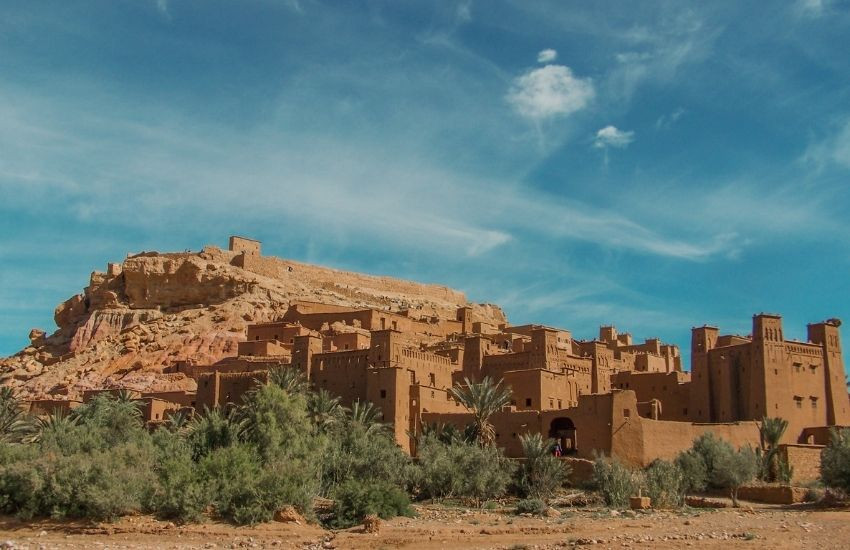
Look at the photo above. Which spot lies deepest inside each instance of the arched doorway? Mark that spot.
(564, 432)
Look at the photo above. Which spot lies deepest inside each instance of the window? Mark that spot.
(685, 412)
(799, 401)
(346, 346)
(412, 377)
(433, 378)
(383, 394)
(627, 413)
(527, 401)
(814, 402)
(559, 404)
(551, 403)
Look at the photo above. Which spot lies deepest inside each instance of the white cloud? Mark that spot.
(546, 56)
(162, 7)
(656, 55)
(667, 120)
(833, 150)
(464, 11)
(812, 8)
(550, 91)
(611, 136)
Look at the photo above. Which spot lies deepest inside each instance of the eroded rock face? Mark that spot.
(154, 309)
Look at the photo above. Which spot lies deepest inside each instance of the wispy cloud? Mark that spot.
(812, 8)
(665, 121)
(611, 136)
(547, 56)
(550, 91)
(833, 150)
(464, 11)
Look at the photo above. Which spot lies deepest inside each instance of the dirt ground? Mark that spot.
(441, 527)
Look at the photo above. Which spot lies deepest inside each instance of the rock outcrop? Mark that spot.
(154, 309)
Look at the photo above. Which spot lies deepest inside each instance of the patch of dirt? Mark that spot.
(441, 527)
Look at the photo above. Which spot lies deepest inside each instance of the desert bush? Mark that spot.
(245, 491)
(275, 421)
(354, 450)
(615, 481)
(534, 506)
(180, 492)
(694, 476)
(462, 469)
(542, 473)
(711, 449)
(100, 485)
(21, 484)
(664, 484)
(734, 468)
(355, 499)
(213, 429)
(835, 460)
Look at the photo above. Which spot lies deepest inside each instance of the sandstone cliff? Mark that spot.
(154, 309)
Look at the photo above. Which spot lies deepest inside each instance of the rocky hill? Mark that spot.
(154, 309)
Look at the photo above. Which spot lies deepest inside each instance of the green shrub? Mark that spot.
(354, 451)
(615, 482)
(542, 473)
(712, 449)
(663, 484)
(275, 421)
(21, 485)
(693, 471)
(356, 499)
(734, 468)
(100, 485)
(180, 493)
(534, 506)
(835, 460)
(462, 470)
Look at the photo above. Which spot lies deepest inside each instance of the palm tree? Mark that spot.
(178, 421)
(367, 415)
(324, 410)
(57, 423)
(771, 431)
(288, 378)
(14, 423)
(482, 399)
(212, 430)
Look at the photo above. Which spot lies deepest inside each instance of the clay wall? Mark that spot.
(157, 410)
(283, 331)
(509, 426)
(342, 373)
(45, 407)
(828, 337)
(349, 341)
(672, 389)
(645, 362)
(817, 435)
(263, 348)
(495, 366)
(389, 390)
(541, 390)
(665, 439)
(88, 395)
(804, 459)
(181, 397)
(249, 247)
(220, 389)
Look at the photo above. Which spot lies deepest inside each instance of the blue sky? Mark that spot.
(649, 164)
